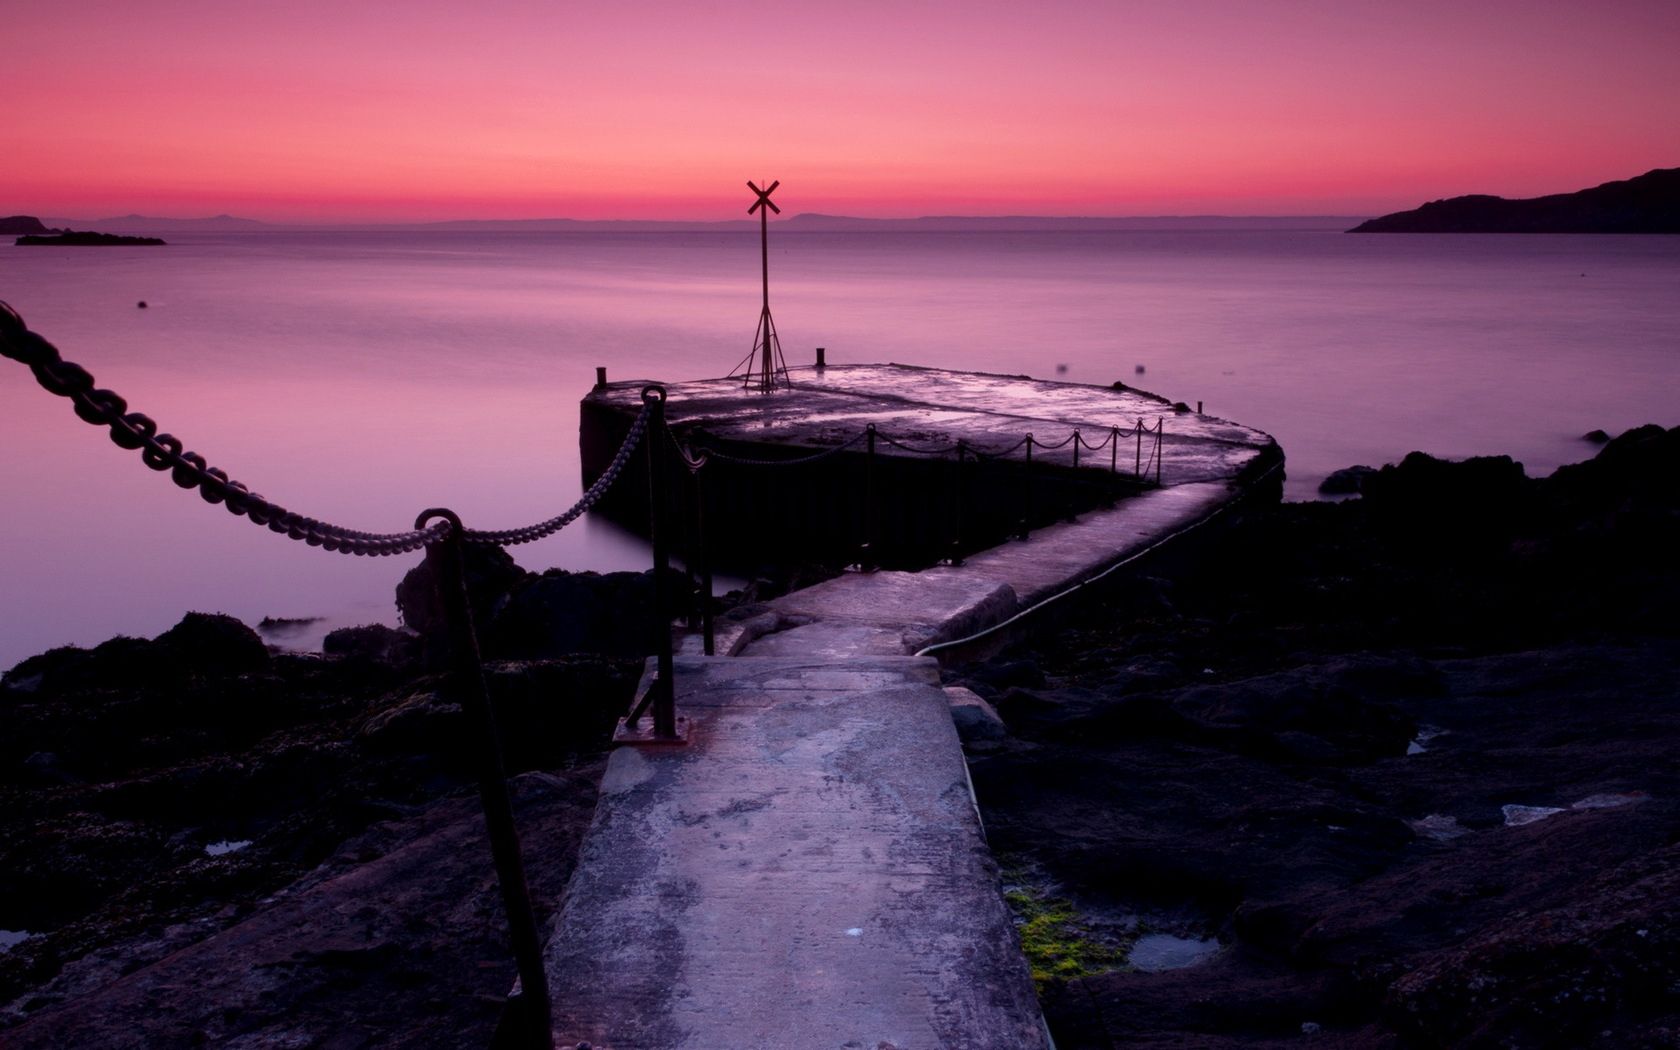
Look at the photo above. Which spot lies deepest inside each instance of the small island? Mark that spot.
(87, 239)
(11, 225)
(1649, 203)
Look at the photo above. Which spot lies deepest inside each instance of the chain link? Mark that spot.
(135, 431)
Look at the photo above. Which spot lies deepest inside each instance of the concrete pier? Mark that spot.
(809, 870)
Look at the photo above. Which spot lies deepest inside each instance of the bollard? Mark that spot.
(600, 377)
(1137, 463)
(1198, 408)
(820, 362)
(466, 682)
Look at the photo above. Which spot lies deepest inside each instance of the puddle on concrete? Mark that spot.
(10, 939)
(217, 849)
(1420, 743)
(1155, 952)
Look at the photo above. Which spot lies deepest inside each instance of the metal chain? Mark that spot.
(135, 431)
(745, 461)
(592, 496)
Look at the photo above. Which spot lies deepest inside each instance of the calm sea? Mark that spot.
(360, 377)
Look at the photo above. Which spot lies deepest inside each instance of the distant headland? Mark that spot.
(84, 239)
(34, 232)
(1649, 203)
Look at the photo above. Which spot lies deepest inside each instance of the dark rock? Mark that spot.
(373, 642)
(562, 612)
(1345, 482)
(1597, 437)
(16, 224)
(89, 240)
(211, 643)
(490, 574)
(1648, 203)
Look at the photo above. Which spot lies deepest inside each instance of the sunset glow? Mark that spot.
(311, 111)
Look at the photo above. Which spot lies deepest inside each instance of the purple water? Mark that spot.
(360, 377)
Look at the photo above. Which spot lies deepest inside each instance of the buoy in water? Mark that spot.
(1138, 370)
(141, 304)
(1061, 370)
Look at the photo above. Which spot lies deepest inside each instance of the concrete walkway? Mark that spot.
(809, 871)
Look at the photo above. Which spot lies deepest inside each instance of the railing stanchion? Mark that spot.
(664, 690)
(869, 556)
(1160, 437)
(466, 682)
(707, 627)
(1027, 500)
(1137, 464)
(957, 506)
(1114, 450)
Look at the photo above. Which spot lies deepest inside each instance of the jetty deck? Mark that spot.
(810, 870)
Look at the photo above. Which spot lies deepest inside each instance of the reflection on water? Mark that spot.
(360, 378)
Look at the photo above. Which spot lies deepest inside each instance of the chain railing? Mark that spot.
(440, 532)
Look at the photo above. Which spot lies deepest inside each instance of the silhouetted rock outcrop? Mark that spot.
(89, 240)
(16, 224)
(1649, 203)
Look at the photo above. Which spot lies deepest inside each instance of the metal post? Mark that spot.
(664, 706)
(1137, 465)
(661, 694)
(820, 362)
(1114, 450)
(1027, 502)
(867, 557)
(708, 631)
(466, 684)
(600, 377)
(1077, 441)
(957, 506)
(1160, 437)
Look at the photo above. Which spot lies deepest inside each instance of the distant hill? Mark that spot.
(146, 224)
(16, 224)
(1649, 203)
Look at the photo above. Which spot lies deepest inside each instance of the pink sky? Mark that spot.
(419, 110)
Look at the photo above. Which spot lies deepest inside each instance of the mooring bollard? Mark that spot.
(600, 377)
(466, 682)
(1198, 408)
(820, 362)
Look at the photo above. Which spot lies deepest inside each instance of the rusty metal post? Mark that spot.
(466, 682)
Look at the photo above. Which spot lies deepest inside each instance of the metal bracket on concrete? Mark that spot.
(644, 735)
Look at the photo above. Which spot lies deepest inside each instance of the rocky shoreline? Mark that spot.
(1402, 762)
(1407, 759)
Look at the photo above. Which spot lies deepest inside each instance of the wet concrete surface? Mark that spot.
(928, 408)
(809, 871)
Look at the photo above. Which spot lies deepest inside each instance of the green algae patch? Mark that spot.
(1058, 944)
